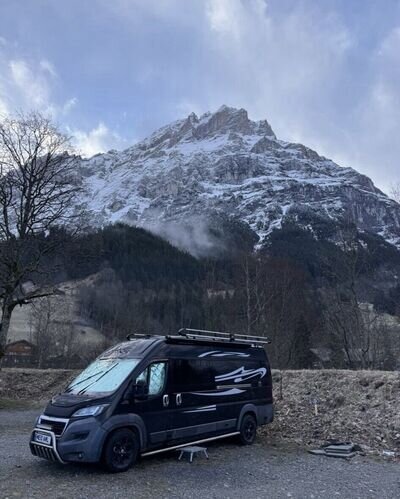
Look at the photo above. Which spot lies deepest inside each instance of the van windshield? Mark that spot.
(102, 376)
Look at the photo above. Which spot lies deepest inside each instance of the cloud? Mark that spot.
(32, 85)
(322, 73)
(186, 107)
(369, 130)
(32, 88)
(99, 139)
(193, 235)
(384, 93)
(29, 83)
(224, 16)
(48, 67)
(277, 66)
(310, 73)
(69, 104)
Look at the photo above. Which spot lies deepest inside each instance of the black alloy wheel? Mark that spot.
(120, 451)
(248, 429)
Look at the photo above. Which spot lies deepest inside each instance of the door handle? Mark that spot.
(165, 401)
(178, 399)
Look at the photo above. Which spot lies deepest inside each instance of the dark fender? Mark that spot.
(245, 409)
(264, 414)
(124, 421)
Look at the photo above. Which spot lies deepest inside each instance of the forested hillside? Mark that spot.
(323, 299)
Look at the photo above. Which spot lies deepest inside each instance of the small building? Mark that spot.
(19, 353)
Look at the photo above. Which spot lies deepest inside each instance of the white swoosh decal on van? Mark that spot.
(207, 354)
(218, 353)
(241, 374)
(206, 408)
(232, 391)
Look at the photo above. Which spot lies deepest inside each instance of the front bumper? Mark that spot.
(45, 451)
(81, 441)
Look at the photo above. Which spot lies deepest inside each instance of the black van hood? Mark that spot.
(65, 404)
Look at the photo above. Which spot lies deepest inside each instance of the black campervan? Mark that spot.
(156, 393)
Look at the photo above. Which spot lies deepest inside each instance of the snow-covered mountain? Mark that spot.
(189, 171)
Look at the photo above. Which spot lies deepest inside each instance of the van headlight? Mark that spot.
(92, 410)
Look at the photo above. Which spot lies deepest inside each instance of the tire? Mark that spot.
(120, 451)
(248, 430)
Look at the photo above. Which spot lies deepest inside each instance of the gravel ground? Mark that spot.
(264, 470)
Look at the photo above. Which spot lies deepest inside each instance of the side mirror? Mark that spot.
(140, 390)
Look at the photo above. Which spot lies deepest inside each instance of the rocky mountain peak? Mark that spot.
(226, 120)
(229, 119)
(223, 163)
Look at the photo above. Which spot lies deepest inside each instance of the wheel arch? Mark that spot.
(131, 421)
(247, 409)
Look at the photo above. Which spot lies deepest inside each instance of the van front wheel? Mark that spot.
(120, 451)
(248, 429)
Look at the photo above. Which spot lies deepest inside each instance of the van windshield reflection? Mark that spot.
(102, 376)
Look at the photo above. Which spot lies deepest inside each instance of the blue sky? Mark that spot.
(324, 73)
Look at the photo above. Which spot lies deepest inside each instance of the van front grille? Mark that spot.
(57, 426)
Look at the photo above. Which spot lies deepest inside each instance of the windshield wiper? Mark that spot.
(96, 380)
(69, 388)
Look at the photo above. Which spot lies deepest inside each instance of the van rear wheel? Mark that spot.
(120, 451)
(248, 429)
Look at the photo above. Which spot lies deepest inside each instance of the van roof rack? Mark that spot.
(206, 335)
(203, 334)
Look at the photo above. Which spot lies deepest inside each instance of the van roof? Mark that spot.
(178, 345)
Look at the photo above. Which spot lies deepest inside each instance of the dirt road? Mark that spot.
(259, 471)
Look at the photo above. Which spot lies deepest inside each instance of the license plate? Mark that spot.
(41, 438)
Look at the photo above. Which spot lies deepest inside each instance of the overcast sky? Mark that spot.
(324, 73)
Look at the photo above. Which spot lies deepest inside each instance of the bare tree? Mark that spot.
(355, 328)
(41, 318)
(272, 302)
(52, 322)
(37, 192)
(255, 284)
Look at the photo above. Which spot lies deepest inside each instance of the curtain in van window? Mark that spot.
(157, 378)
(154, 376)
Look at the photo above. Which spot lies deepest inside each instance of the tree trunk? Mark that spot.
(6, 311)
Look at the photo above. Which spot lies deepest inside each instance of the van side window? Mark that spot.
(193, 374)
(154, 376)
